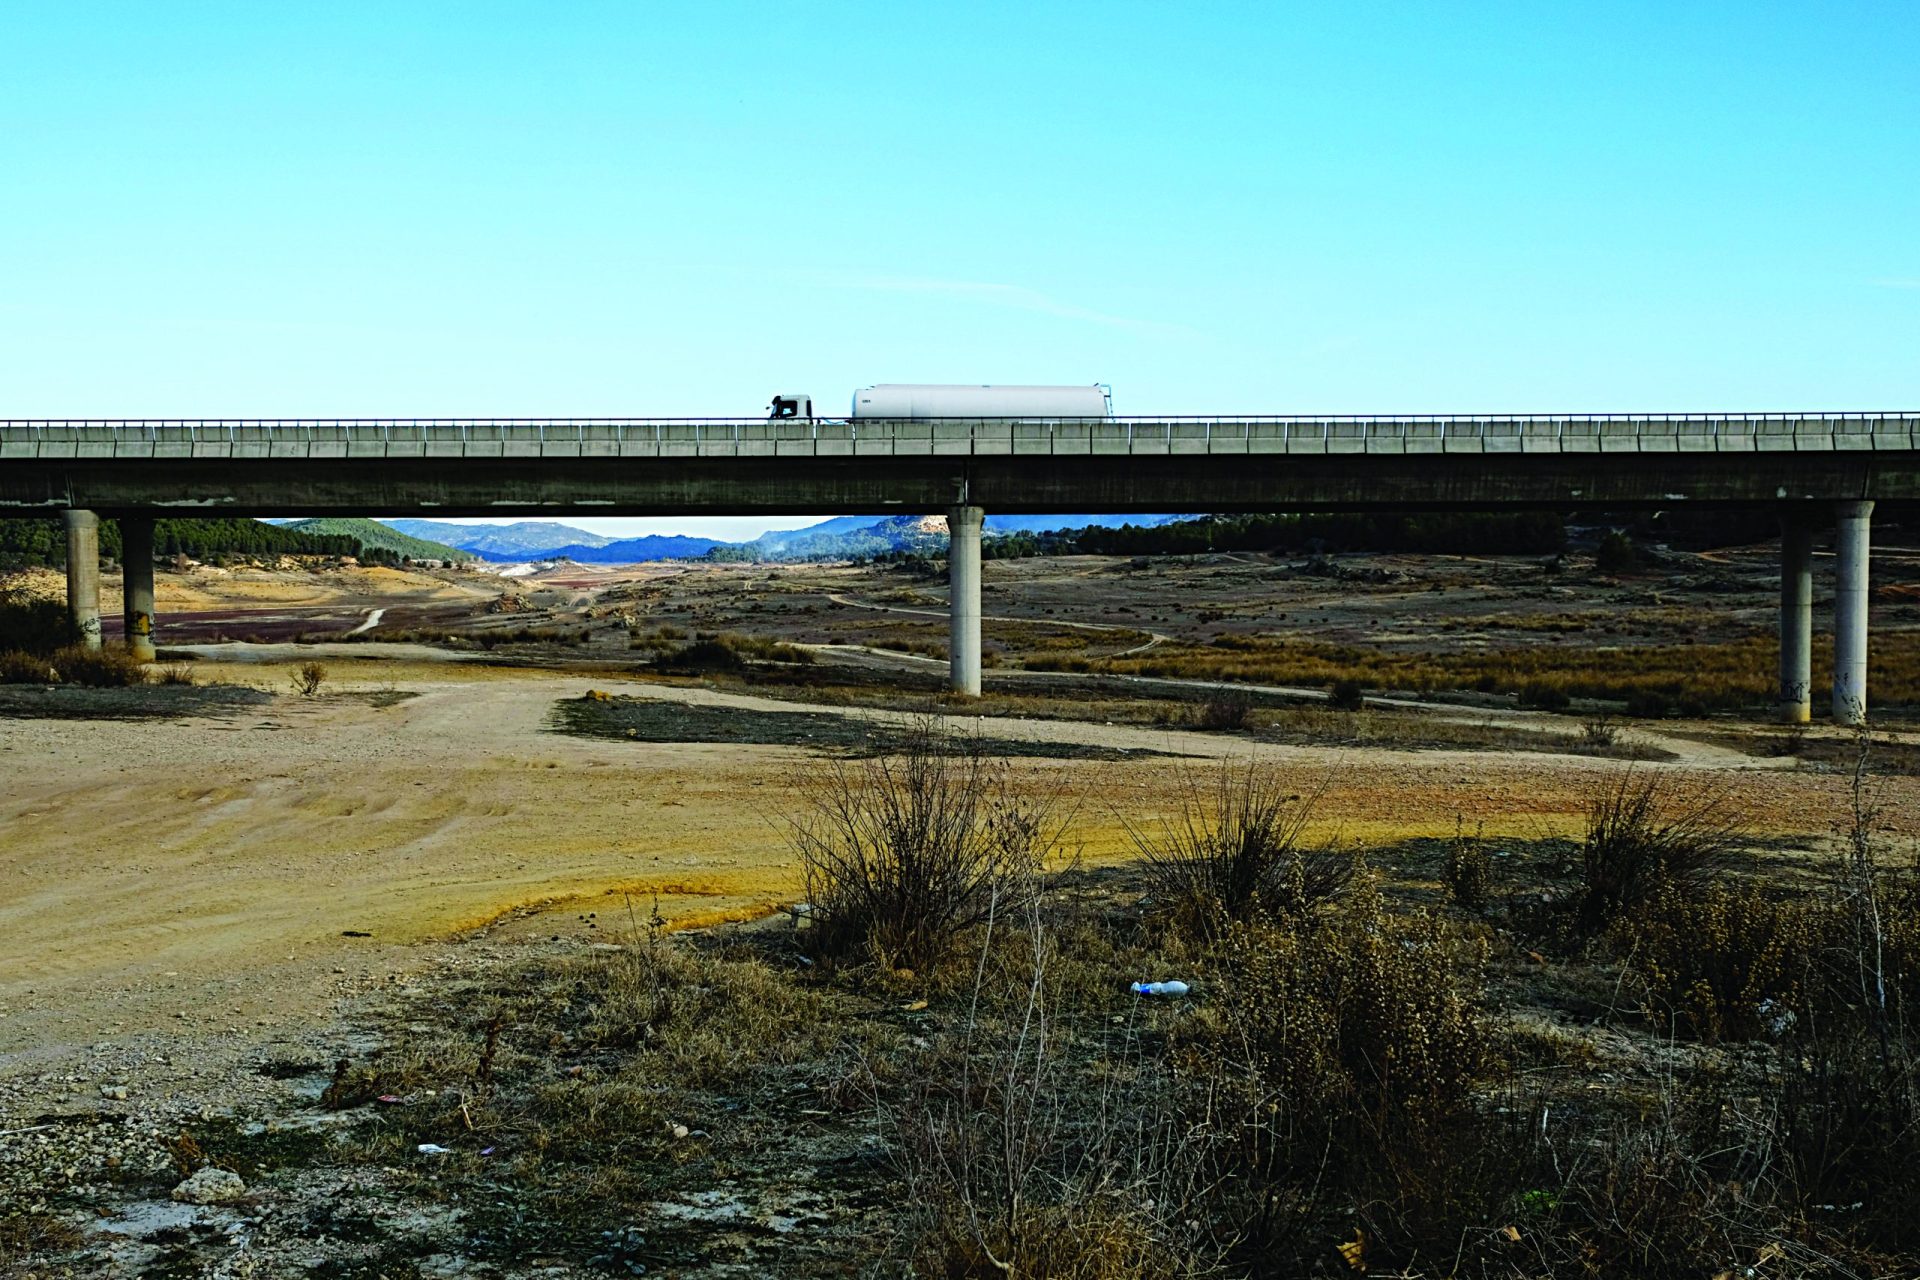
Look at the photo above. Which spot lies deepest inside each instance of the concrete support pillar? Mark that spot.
(1796, 620)
(1852, 533)
(136, 559)
(963, 580)
(83, 576)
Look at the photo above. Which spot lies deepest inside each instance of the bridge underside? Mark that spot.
(1807, 487)
(509, 487)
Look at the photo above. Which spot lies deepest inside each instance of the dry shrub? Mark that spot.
(176, 673)
(308, 679)
(1225, 711)
(1644, 830)
(1102, 1237)
(1469, 868)
(1599, 731)
(1682, 1189)
(1037, 1139)
(1340, 1055)
(1831, 1152)
(728, 650)
(110, 667)
(31, 625)
(24, 668)
(904, 854)
(1848, 1134)
(1538, 695)
(1734, 673)
(25, 1233)
(1236, 852)
(1346, 695)
(1726, 961)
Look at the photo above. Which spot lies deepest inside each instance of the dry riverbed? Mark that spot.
(205, 905)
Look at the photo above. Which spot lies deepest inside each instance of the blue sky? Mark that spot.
(642, 209)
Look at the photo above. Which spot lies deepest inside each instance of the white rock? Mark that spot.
(210, 1186)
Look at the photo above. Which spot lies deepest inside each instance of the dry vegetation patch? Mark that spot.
(942, 1071)
(604, 715)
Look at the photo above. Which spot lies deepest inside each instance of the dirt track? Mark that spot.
(211, 867)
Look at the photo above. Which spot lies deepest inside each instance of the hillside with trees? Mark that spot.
(372, 535)
(25, 543)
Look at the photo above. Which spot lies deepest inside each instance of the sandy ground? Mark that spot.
(214, 872)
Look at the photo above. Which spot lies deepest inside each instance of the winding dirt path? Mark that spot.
(222, 870)
(1683, 749)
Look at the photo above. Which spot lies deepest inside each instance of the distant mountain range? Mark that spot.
(839, 536)
(521, 540)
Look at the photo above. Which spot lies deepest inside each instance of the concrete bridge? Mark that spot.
(1808, 467)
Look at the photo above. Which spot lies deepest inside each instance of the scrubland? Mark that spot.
(675, 924)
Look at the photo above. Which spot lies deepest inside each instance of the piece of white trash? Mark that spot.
(433, 1149)
(1159, 988)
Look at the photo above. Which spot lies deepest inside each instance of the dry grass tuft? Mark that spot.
(109, 667)
(904, 854)
(308, 679)
(1236, 852)
(1469, 867)
(1643, 831)
(25, 668)
(1035, 1138)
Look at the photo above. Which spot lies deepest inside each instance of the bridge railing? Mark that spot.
(763, 438)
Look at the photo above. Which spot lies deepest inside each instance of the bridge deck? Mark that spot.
(989, 437)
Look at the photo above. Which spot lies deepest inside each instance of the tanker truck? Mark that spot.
(913, 401)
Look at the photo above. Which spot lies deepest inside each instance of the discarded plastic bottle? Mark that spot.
(1159, 988)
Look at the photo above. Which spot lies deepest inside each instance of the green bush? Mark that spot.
(704, 655)
(1649, 704)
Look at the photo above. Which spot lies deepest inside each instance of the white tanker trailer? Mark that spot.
(912, 401)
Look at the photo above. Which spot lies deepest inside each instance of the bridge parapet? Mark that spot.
(759, 437)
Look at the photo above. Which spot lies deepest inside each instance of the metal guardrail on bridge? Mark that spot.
(760, 437)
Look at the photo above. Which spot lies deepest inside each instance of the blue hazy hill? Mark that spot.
(839, 535)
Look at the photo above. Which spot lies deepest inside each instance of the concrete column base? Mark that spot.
(136, 558)
(1796, 620)
(1852, 535)
(83, 577)
(963, 579)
